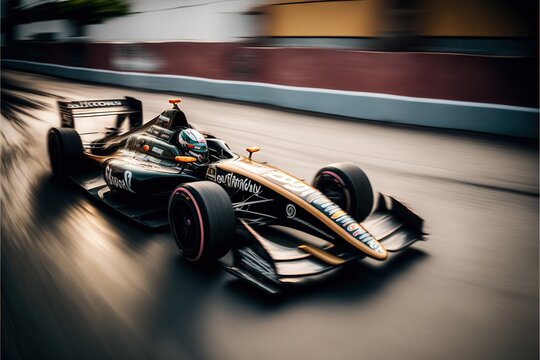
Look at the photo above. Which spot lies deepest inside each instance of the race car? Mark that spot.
(279, 229)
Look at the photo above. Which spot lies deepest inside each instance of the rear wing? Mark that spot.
(69, 110)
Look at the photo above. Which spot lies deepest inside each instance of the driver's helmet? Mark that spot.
(192, 143)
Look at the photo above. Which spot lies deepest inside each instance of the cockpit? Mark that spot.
(160, 142)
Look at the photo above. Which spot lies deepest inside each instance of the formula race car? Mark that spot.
(280, 229)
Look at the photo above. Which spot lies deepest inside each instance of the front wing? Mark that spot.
(272, 266)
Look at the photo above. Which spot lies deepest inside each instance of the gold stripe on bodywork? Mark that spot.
(322, 255)
(230, 167)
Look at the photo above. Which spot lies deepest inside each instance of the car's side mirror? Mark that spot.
(185, 159)
(252, 149)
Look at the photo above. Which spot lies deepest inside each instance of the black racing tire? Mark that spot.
(202, 221)
(65, 151)
(348, 186)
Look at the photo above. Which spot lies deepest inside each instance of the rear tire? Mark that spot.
(65, 151)
(348, 186)
(202, 221)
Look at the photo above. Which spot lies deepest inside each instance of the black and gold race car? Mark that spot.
(280, 229)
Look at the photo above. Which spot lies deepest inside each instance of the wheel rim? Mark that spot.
(185, 225)
(334, 189)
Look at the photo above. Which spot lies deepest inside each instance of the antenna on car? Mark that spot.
(175, 103)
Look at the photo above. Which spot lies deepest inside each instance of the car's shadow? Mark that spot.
(54, 203)
(354, 281)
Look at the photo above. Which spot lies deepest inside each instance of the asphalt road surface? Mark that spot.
(80, 282)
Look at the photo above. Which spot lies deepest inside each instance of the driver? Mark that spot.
(192, 143)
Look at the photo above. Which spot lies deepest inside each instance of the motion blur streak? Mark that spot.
(79, 281)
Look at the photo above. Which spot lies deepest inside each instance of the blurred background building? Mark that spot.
(479, 26)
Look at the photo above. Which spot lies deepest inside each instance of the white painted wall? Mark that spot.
(61, 28)
(166, 20)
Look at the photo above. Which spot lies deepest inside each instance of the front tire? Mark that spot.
(348, 186)
(202, 221)
(65, 151)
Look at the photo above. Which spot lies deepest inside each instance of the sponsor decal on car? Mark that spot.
(157, 150)
(244, 184)
(211, 173)
(92, 104)
(119, 183)
(290, 209)
(154, 160)
(165, 136)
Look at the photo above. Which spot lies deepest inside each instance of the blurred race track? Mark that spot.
(81, 282)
